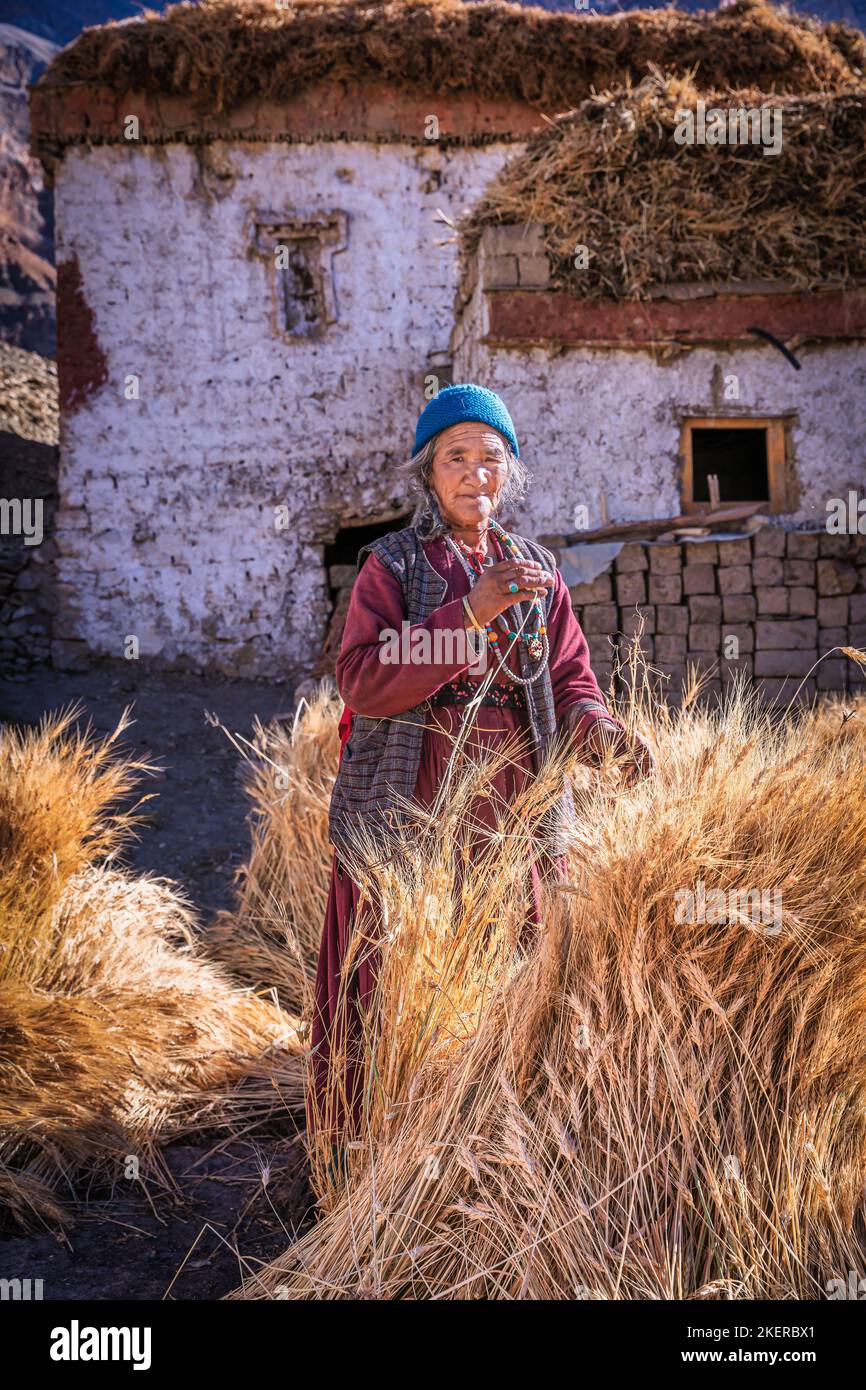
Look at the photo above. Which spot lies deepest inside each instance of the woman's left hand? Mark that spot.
(640, 762)
(606, 737)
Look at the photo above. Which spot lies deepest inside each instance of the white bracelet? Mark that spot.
(471, 616)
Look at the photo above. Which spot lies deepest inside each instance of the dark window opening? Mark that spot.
(341, 559)
(303, 307)
(738, 458)
(343, 549)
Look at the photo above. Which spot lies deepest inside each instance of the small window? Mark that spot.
(298, 251)
(744, 460)
(302, 300)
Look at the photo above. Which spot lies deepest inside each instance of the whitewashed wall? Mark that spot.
(593, 421)
(166, 527)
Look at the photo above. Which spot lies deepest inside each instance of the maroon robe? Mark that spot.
(378, 690)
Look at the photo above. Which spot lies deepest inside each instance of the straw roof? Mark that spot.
(223, 52)
(651, 212)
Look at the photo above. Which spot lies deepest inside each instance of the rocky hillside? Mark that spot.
(61, 20)
(26, 219)
(850, 11)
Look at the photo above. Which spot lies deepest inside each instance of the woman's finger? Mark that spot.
(532, 578)
(530, 569)
(524, 589)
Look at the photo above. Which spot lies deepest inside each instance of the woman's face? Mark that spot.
(470, 466)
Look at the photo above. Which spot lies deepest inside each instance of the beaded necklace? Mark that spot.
(537, 645)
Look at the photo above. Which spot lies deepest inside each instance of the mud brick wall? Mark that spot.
(787, 597)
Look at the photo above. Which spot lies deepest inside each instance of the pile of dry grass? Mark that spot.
(840, 718)
(644, 1104)
(115, 1032)
(272, 936)
(651, 212)
(222, 54)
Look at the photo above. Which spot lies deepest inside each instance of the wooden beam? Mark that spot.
(720, 518)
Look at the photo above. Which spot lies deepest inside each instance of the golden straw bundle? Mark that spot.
(653, 1099)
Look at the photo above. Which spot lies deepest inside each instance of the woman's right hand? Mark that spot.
(491, 593)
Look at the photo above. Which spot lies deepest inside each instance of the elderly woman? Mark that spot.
(454, 571)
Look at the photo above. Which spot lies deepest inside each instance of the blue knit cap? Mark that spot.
(454, 404)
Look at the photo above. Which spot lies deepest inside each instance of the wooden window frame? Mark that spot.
(775, 428)
(318, 237)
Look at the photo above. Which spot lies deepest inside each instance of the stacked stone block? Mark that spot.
(765, 607)
(341, 578)
(510, 257)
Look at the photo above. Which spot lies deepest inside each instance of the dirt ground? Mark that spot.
(195, 830)
(186, 1236)
(197, 1238)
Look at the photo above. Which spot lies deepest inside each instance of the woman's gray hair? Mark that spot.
(427, 516)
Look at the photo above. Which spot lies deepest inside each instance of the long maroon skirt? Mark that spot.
(336, 1019)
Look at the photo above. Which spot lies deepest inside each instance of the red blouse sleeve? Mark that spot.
(576, 692)
(375, 687)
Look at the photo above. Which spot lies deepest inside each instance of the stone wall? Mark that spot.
(27, 597)
(785, 598)
(341, 579)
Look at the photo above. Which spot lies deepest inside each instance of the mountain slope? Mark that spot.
(26, 215)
